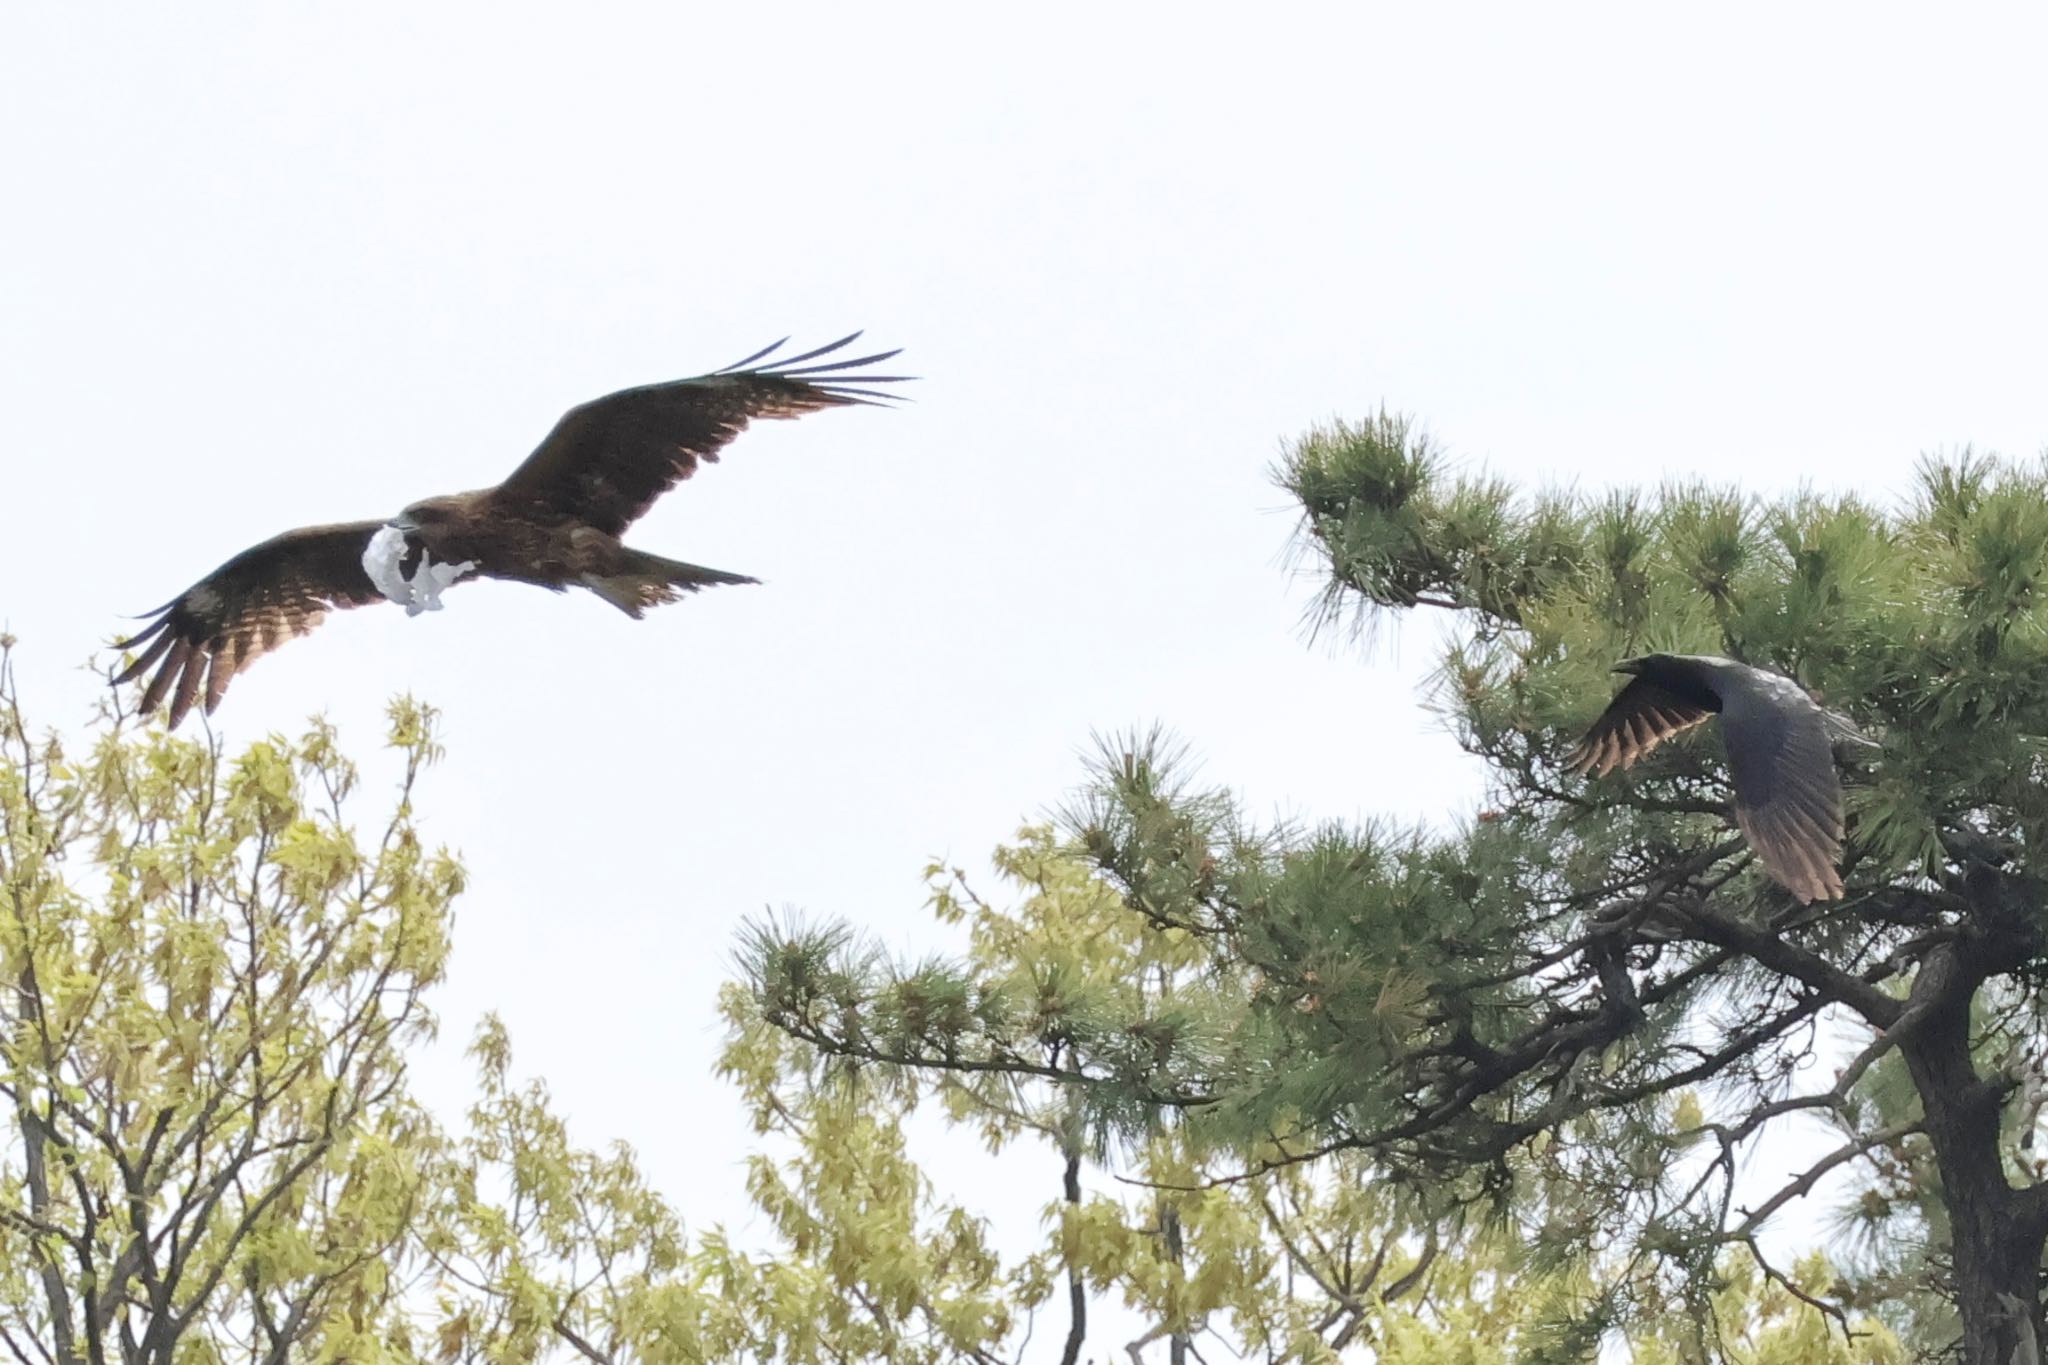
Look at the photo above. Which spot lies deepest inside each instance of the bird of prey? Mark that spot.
(1788, 798)
(554, 522)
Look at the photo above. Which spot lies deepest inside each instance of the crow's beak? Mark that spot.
(1628, 666)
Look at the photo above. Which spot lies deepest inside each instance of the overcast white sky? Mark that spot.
(268, 265)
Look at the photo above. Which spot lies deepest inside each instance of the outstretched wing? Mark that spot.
(1641, 716)
(264, 596)
(1788, 797)
(607, 461)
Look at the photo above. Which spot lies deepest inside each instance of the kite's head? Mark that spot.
(426, 514)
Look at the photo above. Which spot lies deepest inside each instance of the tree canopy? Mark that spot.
(217, 972)
(1582, 1009)
(220, 966)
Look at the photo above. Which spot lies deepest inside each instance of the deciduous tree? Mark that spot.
(211, 980)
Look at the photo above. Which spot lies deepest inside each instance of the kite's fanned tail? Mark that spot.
(649, 581)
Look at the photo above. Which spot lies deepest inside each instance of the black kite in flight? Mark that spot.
(1781, 761)
(555, 522)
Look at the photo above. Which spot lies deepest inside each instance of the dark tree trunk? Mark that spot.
(1999, 1231)
(1169, 1224)
(1077, 1288)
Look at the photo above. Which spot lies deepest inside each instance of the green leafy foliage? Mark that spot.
(1308, 1255)
(209, 1151)
(212, 980)
(1293, 1264)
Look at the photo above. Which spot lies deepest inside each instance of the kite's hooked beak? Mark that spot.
(403, 522)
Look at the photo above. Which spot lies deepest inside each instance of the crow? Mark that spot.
(1788, 798)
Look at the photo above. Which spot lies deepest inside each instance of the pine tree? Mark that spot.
(1585, 1007)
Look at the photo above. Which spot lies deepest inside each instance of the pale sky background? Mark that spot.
(267, 265)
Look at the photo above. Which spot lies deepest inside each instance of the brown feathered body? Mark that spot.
(1788, 797)
(519, 542)
(524, 540)
(555, 522)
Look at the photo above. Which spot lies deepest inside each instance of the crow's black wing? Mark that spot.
(1788, 798)
(1641, 716)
